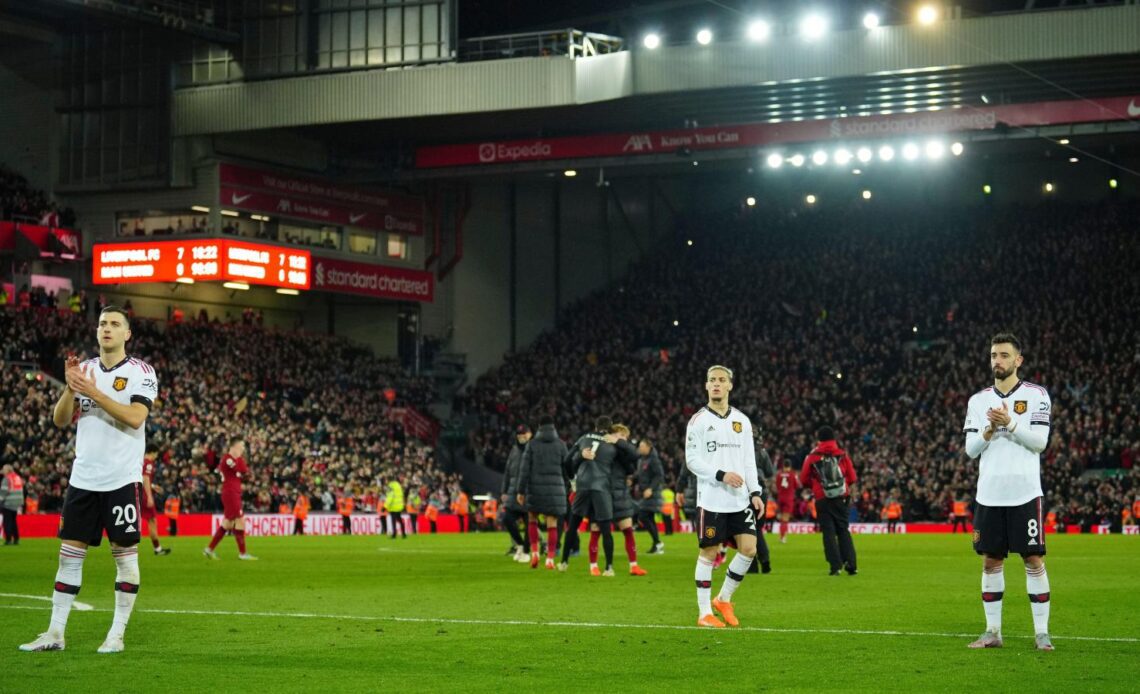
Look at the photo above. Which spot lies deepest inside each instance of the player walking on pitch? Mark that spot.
(720, 452)
(114, 395)
(234, 470)
(1007, 425)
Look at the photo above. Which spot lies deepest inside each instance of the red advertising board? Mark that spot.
(200, 260)
(769, 134)
(256, 524)
(51, 241)
(382, 281)
(285, 195)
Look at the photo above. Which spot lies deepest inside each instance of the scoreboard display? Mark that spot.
(202, 260)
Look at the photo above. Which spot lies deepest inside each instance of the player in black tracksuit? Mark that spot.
(589, 463)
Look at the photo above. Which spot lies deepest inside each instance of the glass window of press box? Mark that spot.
(283, 38)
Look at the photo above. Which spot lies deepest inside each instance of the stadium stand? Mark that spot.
(874, 320)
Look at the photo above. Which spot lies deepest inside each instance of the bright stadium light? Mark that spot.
(956, 149)
(927, 15)
(750, 201)
(866, 195)
(704, 37)
(871, 20)
(810, 199)
(813, 26)
(796, 160)
(819, 158)
(1048, 187)
(1063, 141)
(1073, 160)
(986, 189)
(569, 173)
(910, 151)
(676, 323)
(864, 154)
(886, 153)
(1112, 183)
(935, 149)
(842, 156)
(689, 242)
(651, 41)
(775, 160)
(759, 30)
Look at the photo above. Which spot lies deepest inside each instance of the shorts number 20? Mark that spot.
(127, 514)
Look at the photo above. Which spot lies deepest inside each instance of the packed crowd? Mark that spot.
(313, 409)
(21, 203)
(876, 321)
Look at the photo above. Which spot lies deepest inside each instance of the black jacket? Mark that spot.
(540, 478)
(650, 475)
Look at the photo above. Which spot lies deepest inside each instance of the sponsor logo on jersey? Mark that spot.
(738, 427)
(120, 384)
(1020, 406)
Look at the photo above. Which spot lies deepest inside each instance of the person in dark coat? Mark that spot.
(589, 464)
(765, 470)
(624, 506)
(650, 482)
(512, 511)
(541, 489)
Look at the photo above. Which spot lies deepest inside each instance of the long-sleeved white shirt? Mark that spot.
(715, 444)
(1009, 473)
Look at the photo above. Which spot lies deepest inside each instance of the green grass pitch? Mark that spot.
(450, 613)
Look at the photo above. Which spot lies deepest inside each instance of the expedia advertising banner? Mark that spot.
(385, 282)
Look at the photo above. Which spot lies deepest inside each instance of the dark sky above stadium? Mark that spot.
(632, 17)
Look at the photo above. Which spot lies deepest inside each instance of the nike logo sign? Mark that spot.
(239, 199)
(1133, 109)
(354, 218)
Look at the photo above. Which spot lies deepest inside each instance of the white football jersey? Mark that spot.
(1010, 470)
(714, 443)
(108, 453)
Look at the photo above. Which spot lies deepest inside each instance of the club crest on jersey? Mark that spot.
(737, 427)
(120, 385)
(1020, 406)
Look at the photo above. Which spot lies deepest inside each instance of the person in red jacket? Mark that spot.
(829, 471)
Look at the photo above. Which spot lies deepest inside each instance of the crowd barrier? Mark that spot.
(269, 524)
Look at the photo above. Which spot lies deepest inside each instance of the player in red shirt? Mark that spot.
(149, 513)
(787, 482)
(234, 470)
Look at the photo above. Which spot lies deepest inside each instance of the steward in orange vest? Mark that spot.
(344, 508)
(170, 509)
(300, 513)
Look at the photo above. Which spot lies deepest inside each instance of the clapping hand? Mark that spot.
(999, 418)
(80, 381)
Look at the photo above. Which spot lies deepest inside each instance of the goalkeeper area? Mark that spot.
(452, 613)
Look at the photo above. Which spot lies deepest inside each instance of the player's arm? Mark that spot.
(697, 458)
(626, 456)
(977, 432)
(64, 408)
(149, 494)
(1035, 434)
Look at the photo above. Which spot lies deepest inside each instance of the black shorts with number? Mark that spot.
(595, 505)
(87, 514)
(715, 528)
(1002, 530)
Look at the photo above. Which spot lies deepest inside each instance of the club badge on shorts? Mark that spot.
(710, 533)
(1020, 406)
(737, 427)
(120, 384)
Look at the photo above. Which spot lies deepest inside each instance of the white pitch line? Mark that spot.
(581, 625)
(81, 606)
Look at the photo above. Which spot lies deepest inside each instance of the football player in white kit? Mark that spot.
(114, 394)
(720, 452)
(1007, 425)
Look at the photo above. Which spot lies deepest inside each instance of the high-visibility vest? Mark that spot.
(462, 505)
(1136, 509)
(960, 508)
(811, 506)
(31, 505)
(344, 505)
(15, 483)
(414, 504)
(668, 496)
(770, 509)
(1126, 516)
(283, 508)
(431, 512)
(172, 506)
(490, 509)
(894, 510)
(301, 508)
